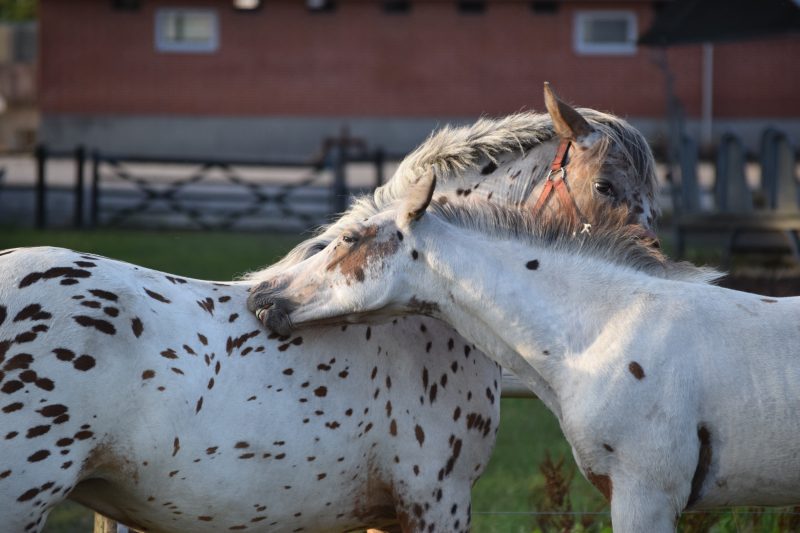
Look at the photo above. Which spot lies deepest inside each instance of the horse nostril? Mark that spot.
(261, 313)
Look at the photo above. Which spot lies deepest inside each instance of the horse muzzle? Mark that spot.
(276, 318)
(270, 308)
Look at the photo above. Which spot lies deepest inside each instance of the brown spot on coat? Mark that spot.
(100, 325)
(52, 410)
(41, 455)
(207, 305)
(636, 369)
(105, 295)
(420, 434)
(63, 354)
(156, 296)
(84, 363)
(602, 483)
(37, 431)
(26, 313)
(703, 464)
(10, 408)
(55, 272)
(137, 327)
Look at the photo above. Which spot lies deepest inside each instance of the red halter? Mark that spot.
(556, 179)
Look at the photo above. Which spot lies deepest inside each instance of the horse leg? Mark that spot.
(445, 508)
(637, 507)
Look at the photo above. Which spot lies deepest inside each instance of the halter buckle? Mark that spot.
(552, 173)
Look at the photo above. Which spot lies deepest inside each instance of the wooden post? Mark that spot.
(41, 186)
(103, 524)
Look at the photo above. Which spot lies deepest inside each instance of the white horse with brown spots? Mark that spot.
(673, 393)
(159, 402)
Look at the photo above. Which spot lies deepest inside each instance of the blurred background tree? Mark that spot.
(17, 10)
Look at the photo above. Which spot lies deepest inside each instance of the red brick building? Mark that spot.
(202, 77)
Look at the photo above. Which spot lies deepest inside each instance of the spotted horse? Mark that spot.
(673, 393)
(160, 402)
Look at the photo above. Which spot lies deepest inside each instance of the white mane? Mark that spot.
(610, 238)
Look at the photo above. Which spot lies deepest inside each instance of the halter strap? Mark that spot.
(556, 179)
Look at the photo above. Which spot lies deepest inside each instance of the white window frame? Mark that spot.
(587, 48)
(166, 45)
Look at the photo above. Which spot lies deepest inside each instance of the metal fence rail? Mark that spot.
(206, 193)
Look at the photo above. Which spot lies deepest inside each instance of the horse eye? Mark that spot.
(604, 188)
(349, 238)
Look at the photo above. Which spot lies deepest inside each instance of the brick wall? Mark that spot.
(360, 61)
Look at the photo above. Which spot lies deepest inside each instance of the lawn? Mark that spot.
(529, 440)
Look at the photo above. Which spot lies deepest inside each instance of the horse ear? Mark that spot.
(417, 199)
(568, 123)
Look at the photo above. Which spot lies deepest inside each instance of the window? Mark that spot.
(605, 32)
(246, 5)
(187, 30)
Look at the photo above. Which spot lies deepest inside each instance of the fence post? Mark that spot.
(41, 177)
(80, 159)
(94, 200)
(731, 191)
(778, 171)
(380, 158)
(339, 176)
(103, 524)
(690, 191)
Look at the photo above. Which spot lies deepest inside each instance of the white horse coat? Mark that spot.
(673, 393)
(159, 401)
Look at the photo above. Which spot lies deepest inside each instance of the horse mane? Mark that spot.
(453, 150)
(610, 239)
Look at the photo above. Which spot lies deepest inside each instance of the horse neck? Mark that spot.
(529, 317)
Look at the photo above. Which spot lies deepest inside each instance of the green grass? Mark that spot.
(217, 256)
(512, 485)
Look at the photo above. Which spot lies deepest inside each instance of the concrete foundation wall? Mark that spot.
(301, 137)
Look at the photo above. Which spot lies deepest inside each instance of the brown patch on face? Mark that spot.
(636, 369)
(602, 482)
(352, 260)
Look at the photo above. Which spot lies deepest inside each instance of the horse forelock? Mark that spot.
(628, 145)
(610, 239)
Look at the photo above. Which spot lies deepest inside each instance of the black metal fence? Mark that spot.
(203, 193)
